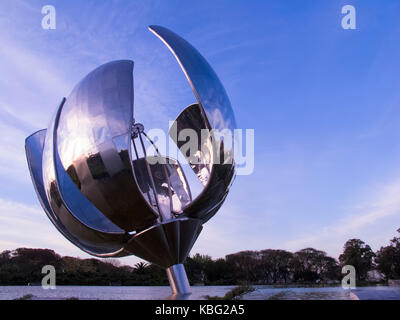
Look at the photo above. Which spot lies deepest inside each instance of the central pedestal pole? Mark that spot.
(179, 282)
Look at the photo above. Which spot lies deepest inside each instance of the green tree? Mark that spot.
(388, 259)
(358, 254)
(275, 265)
(246, 265)
(221, 273)
(198, 268)
(310, 265)
(140, 267)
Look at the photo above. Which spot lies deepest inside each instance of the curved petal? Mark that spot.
(79, 205)
(88, 239)
(207, 88)
(34, 151)
(216, 169)
(93, 140)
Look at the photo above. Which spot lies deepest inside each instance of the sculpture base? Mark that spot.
(179, 282)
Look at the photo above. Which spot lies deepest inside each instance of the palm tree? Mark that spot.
(140, 267)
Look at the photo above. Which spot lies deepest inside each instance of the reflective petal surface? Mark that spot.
(207, 88)
(94, 145)
(216, 169)
(200, 159)
(171, 187)
(34, 152)
(88, 239)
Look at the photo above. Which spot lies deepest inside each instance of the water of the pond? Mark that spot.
(198, 292)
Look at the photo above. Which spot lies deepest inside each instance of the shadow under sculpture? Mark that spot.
(98, 186)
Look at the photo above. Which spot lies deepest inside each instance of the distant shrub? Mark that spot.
(25, 297)
(278, 296)
(234, 294)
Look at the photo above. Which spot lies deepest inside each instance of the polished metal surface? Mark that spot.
(87, 238)
(199, 160)
(166, 243)
(94, 145)
(178, 280)
(105, 194)
(208, 89)
(169, 185)
(34, 152)
(216, 169)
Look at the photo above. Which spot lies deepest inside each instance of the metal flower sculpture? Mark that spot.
(106, 198)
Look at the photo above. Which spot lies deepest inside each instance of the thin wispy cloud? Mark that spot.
(220, 236)
(26, 226)
(374, 210)
(21, 109)
(12, 157)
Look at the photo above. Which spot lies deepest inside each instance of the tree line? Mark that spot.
(269, 266)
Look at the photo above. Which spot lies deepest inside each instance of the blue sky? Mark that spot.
(324, 103)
